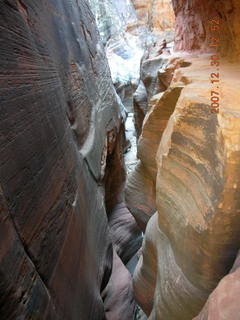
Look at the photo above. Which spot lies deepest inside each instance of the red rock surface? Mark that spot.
(60, 124)
(192, 240)
(223, 303)
(193, 30)
(118, 295)
(158, 15)
(125, 234)
(140, 192)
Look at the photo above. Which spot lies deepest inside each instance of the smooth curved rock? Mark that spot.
(160, 287)
(140, 106)
(140, 193)
(155, 77)
(118, 295)
(125, 234)
(223, 303)
(60, 122)
(198, 162)
(192, 240)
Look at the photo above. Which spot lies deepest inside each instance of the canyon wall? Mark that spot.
(223, 303)
(158, 15)
(193, 25)
(184, 191)
(114, 17)
(61, 142)
(124, 38)
(66, 234)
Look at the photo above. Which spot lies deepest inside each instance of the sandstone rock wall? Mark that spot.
(114, 17)
(123, 38)
(189, 173)
(158, 15)
(193, 31)
(223, 303)
(60, 129)
(192, 240)
(160, 103)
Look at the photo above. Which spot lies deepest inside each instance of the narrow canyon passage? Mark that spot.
(119, 160)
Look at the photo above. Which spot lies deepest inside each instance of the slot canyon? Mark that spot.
(119, 160)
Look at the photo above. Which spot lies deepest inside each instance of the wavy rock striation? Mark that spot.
(189, 174)
(192, 240)
(193, 28)
(223, 303)
(158, 15)
(60, 142)
(140, 192)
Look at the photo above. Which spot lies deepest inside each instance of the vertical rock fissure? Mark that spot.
(132, 87)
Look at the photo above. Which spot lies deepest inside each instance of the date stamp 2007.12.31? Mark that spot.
(215, 44)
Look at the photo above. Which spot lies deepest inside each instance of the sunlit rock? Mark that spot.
(157, 15)
(140, 193)
(223, 303)
(193, 25)
(196, 227)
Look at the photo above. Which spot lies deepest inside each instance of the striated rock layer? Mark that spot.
(60, 143)
(158, 15)
(192, 240)
(117, 296)
(188, 177)
(156, 75)
(223, 303)
(194, 29)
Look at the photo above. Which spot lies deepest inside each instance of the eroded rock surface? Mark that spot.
(192, 240)
(125, 234)
(123, 37)
(118, 296)
(189, 171)
(158, 15)
(194, 28)
(140, 106)
(60, 127)
(223, 303)
(140, 192)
